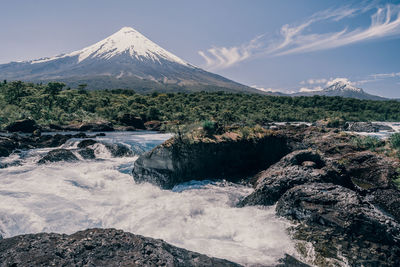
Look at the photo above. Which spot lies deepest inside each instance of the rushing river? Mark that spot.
(199, 216)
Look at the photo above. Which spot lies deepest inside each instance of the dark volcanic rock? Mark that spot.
(131, 120)
(299, 167)
(86, 143)
(178, 161)
(58, 155)
(388, 200)
(98, 247)
(24, 126)
(96, 127)
(7, 145)
(339, 222)
(118, 150)
(369, 170)
(367, 127)
(87, 153)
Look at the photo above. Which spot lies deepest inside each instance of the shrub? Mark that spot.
(209, 127)
(395, 140)
(368, 142)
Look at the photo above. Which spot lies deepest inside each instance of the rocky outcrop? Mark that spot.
(230, 158)
(132, 120)
(58, 155)
(340, 223)
(7, 145)
(23, 126)
(299, 167)
(369, 170)
(117, 150)
(367, 127)
(87, 153)
(98, 247)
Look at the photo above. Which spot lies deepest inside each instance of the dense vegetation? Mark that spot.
(53, 103)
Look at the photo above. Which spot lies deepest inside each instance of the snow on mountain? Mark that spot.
(126, 40)
(341, 87)
(126, 59)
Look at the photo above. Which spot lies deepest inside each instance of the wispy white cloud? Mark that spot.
(224, 57)
(293, 39)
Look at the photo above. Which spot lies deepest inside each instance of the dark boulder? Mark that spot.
(86, 143)
(87, 153)
(98, 247)
(299, 167)
(7, 145)
(118, 150)
(96, 127)
(58, 155)
(24, 126)
(368, 170)
(132, 120)
(387, 200)
(340, 223)
(177, 161)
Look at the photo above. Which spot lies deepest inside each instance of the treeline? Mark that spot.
(54, 103)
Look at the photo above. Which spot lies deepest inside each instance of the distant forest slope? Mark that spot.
(53, 103)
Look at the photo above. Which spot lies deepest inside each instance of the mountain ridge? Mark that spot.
(123, 60)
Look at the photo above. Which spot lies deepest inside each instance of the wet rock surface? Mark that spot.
(346, 224)
(98, 247)
(58, 155)
(175, 162)
(23, 126)
(299, 167)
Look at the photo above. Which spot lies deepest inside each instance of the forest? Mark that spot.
(56, 104)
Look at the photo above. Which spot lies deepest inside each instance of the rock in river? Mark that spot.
(340, 223)
(98, 247)
(227, 157)
(58, 155)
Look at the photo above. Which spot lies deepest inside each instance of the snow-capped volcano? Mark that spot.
(341, 87)
(126, 59)
(127, 40)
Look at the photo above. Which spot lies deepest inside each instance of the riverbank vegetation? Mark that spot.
(56, 104)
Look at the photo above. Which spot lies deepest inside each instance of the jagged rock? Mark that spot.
(24, 126)
(299, 167)
(340, 223)
(96, 127)
(87, 153)
(7, 145)
(369, 170)
(86, 143)
(118, 150)
(387, 200)
(98, 247)
(132, 120)
(177, 161)
(367, 127)
(58, 155)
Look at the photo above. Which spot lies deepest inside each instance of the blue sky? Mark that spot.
(276, 45)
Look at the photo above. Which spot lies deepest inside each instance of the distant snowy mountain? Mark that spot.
(126, 59)
(342, 88)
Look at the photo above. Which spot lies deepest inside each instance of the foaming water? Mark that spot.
(199, 216)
